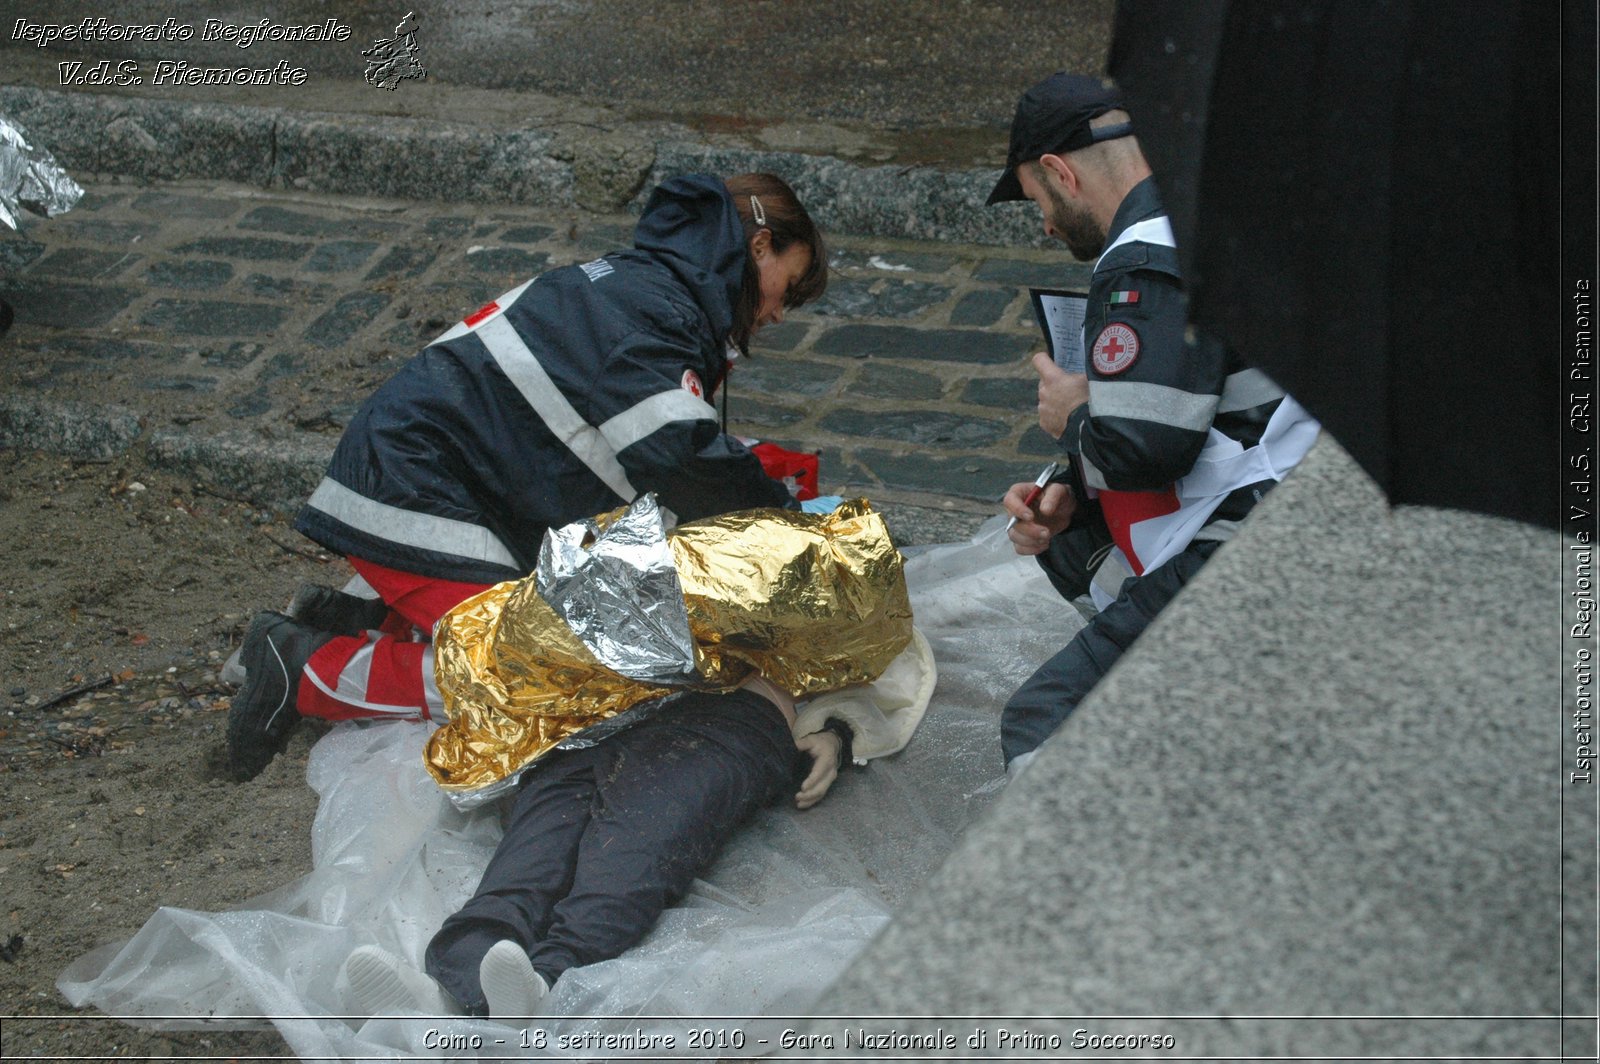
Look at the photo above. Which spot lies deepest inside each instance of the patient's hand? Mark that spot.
(823, 748)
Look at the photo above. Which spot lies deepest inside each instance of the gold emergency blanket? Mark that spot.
(816, 602)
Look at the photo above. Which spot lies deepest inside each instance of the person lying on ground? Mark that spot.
(633, 752)
(599, 841)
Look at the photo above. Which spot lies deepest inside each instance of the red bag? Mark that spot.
(797, 469)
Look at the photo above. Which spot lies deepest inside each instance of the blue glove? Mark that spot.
(822, 504)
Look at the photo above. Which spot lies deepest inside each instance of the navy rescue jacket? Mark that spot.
(1154, 395)
(564, 398)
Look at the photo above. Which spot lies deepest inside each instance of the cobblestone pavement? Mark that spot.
(232, 332)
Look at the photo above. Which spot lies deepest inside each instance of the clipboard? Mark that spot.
(1060, 316)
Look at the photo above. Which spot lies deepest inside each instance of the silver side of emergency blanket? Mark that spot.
(785, 909)
(620, 594)
(31, 178)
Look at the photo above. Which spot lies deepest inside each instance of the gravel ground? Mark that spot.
(124, 590)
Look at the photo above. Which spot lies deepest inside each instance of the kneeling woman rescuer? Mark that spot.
(564, 398)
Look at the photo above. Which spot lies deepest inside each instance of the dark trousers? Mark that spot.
(601, 839)
(1070, 559)
(1051, 694)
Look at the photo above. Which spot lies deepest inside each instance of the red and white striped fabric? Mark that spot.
(386, 673)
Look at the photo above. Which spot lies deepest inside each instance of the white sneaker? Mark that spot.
(384, 984)
(510, 985)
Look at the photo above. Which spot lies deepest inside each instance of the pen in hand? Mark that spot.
(1038, 488)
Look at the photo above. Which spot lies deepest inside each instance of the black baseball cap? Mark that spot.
(1053, 117)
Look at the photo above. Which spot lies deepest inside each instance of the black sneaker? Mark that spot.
(263, 713)
(335, 611)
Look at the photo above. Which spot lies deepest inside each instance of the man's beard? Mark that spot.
(1074, 227)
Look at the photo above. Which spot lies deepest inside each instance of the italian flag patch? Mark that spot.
(1122, 297)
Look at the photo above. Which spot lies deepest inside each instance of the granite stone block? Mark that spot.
(751, 416)
(1037, 442)
(929, 427)
(204, 317)
(272, 219)
(252, 248)
(286, 289)
(182, 382)
(196, 274)
(891, 201)
(419, 159)
(85, 264)
(110, 349)
(882, 380)
(403, 261)
(254, 403)
(784, 377)
(162, 203)
(974, 477)
(982, 307)
(1066, 273)
(345, 318)
(233, 356)
(339, 256)
(785, 336)
(282, 365)
(63, 305)
(1018, 394)
(82, 430)
(103, 231)
(447, 226)
(526, 234)
(147, 139)
(889, 262)
(275, 473)
(95, 200)
(900, 341)
(837, 471)
(18, 252)
(510, 262)
(870, 298)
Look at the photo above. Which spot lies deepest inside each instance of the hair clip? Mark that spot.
(757, 211)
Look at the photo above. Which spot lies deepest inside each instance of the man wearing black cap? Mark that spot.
(1169, 441)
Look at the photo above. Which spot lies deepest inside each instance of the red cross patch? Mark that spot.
(1115, 349)
(692, 385)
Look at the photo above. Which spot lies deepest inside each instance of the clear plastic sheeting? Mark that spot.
(785, 909)
(31, 178)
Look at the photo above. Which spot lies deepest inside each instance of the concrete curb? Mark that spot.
(154, 140)
(440, 161)
(907, 203)
(76, 430)
(277, 474)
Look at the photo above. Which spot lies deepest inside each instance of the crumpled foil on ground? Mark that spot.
(815, 602)
(785, 908)
(30, 177)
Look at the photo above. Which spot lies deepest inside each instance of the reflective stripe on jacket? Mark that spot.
(562, 399)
